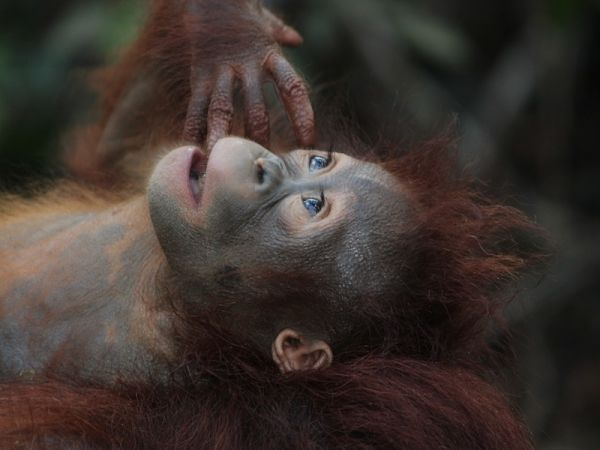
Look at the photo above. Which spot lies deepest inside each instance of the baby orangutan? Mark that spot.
(333, 296)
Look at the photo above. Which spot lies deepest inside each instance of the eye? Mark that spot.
(313, 205)
(317, 162)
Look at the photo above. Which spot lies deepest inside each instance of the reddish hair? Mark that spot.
(412, 379)
(162, 55)
(469, 249)
(375, 401)
(466, 250)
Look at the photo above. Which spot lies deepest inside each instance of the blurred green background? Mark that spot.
(521, 76)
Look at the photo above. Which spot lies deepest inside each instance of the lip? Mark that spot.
(196, 169)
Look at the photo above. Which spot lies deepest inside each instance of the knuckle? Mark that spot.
(295, 89)
(221, 106)
(190, 131)
(194, 119)
(217, 131)
(193, 127)
(305, 128)
(271, 59)
(257, 116)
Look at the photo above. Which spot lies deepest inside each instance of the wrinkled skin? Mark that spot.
(250, 59)
(249, 236)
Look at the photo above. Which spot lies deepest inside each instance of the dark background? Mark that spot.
(521, 77)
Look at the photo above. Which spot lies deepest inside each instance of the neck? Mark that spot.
(84, 254)
(86, 284)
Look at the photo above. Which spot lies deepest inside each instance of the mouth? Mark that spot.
(196, 173)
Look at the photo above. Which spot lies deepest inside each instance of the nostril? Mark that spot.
(260, 171)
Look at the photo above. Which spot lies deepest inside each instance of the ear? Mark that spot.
(291, 351)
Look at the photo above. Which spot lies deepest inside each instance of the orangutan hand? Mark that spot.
(243, 48)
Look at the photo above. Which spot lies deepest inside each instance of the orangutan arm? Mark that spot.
(177, 83)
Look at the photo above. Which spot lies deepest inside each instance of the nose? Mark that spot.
(270, 172)
(243, 167)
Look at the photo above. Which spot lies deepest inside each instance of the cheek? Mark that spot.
(296, 221)
(291, 215)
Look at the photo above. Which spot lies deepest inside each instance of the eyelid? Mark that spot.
(330, 153)
(325, 209)
(330, 158)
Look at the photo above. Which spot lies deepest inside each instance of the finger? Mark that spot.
(256, 118)
(194, 129)
(220, 110)
(287, 36)
(294, 95)
(282, 33)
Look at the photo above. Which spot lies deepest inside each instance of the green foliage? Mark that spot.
(43, 68)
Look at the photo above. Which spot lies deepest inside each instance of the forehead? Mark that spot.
(375, 203)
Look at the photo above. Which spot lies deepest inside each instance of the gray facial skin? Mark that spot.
(104, 290)
(334, 223)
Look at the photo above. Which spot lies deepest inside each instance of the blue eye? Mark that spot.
(313, 205)
(317, 163)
